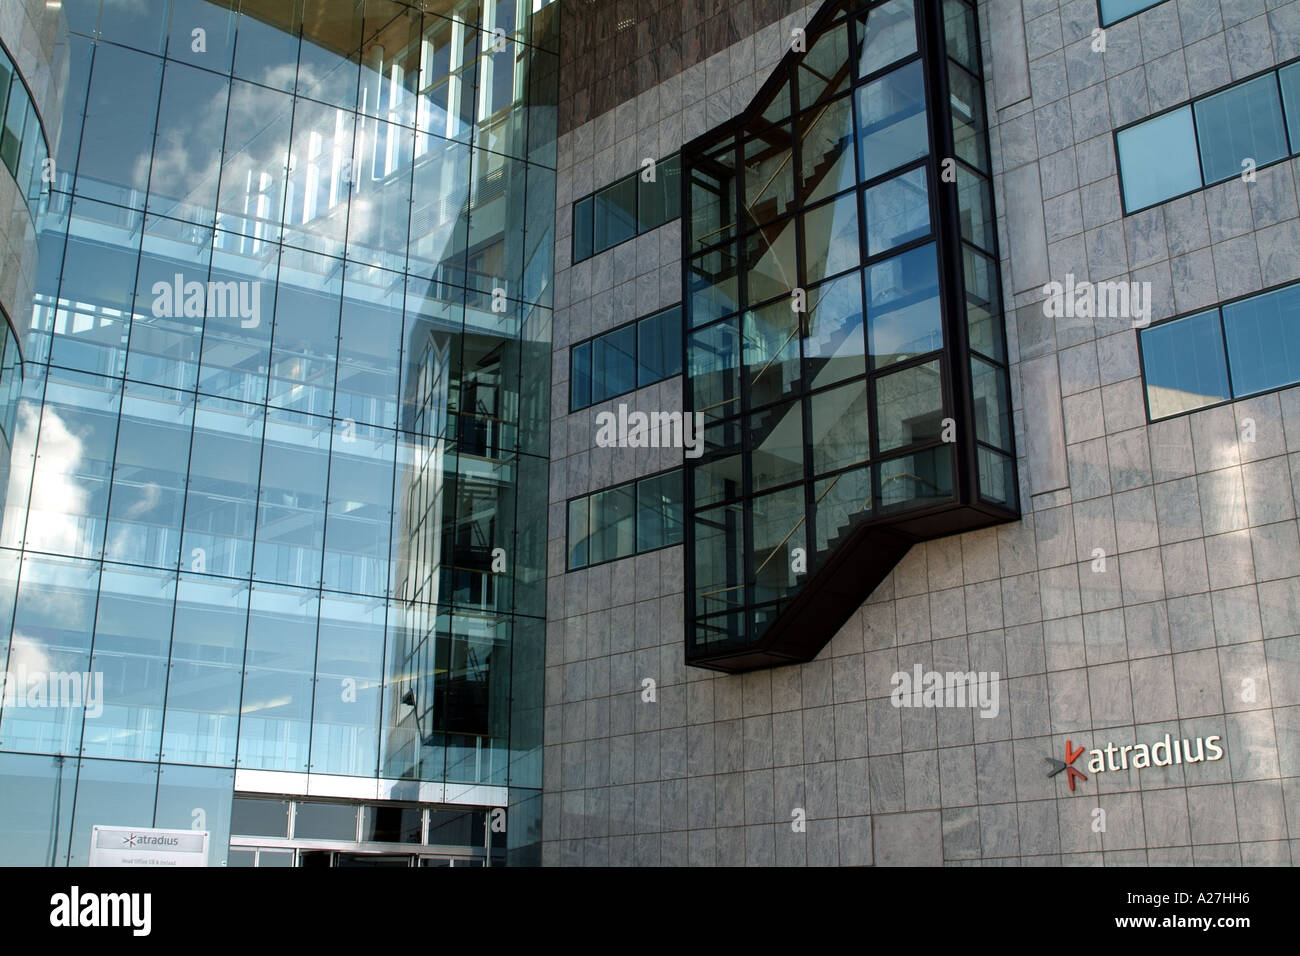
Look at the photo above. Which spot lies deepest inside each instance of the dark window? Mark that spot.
(633, 356)
(626, 208)
(627, 519)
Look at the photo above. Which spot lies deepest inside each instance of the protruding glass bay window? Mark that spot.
(843, 330)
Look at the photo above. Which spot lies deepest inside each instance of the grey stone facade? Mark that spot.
(1191, 629)
(35, 35)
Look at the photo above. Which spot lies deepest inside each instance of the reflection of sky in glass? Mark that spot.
(1157, 159)
(1184, 364)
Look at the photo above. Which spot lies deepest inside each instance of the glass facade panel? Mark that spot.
(1263, 347)
(903, 317)
(1158, 159)
(273, 430)
(1185, 364)
(1241, 125)
(891, 121)
(898, 211)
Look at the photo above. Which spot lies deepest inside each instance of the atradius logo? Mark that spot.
(1162, 753)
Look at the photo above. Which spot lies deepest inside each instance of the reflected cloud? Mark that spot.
(58, 500)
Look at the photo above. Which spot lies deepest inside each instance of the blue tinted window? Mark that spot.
(1264, 341)
(625, 520)
(891, 120)
(1290, 78)
(1113, 10)
(613, 364)
(580, 376)
(1244, 122)
(615, 214)
(1184, 363)
(582, 229)
(659, 346)
(903, 316)
(1157, 159)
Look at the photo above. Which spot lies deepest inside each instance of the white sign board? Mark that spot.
(132, 846)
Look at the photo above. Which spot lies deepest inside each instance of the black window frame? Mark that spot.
(635, 484)
(673, 160)
(635, 325)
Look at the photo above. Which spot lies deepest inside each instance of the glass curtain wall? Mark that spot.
(279, 461)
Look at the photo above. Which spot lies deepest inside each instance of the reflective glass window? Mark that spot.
(207, 659)
(133, 629)
(221, 500)
(1185, 364)
(118, 132)
(660, 201)
(275, 715)
(349, 678)
(1158, 159)
(776, 437)
(838, 419)
(613, 363)
(830, 238)
(291, 500)
(1114, 10)
(833, 347)
(659, 346)
(992, 403)
(1263, 343)
(186, 168)
(1242, 123)
(306, 335)
(888, 34)
(891, 121)
(898, 211)
(1290, 81)
(659, 511)
(903, 316)
(771, 352)
(148, 493)
(359, 509)
(966, 103)
(827, 163)
(614, 213)
(119, 790)
(909, 406)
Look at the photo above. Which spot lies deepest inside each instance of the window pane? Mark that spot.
(1264, 341)
(1184, 364)
(909, 406)
(279, 667)
(839, 501)
(713, 285)
(1112, 10)
(117, 136)
(888, 34)
(769, 176)
(826, 164)
(719, 566)
(903, 306)
(1157, 159)
(613, 363)
(1290, 78)
(580, 376)
(660, 201)
(966, 100)
(776, 437)
(659, 346)
(992, 404)
(917, 480)
(824, 69)
(659, 511)
(613, 523)
(579, 511)
(891, 121)
(898, 211)
(839, 427)
(187, 151)
(997, 477)
(975, 208)
(770, 261)
(983, 317)
(582, 226)
(779, 528)
(959, 31)
(614, 214)
(830, 238)
(833, 347)
(771, 352)
(1244, 122)
(713, 357)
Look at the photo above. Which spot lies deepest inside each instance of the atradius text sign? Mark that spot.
(140, 846)
(1162, 753)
